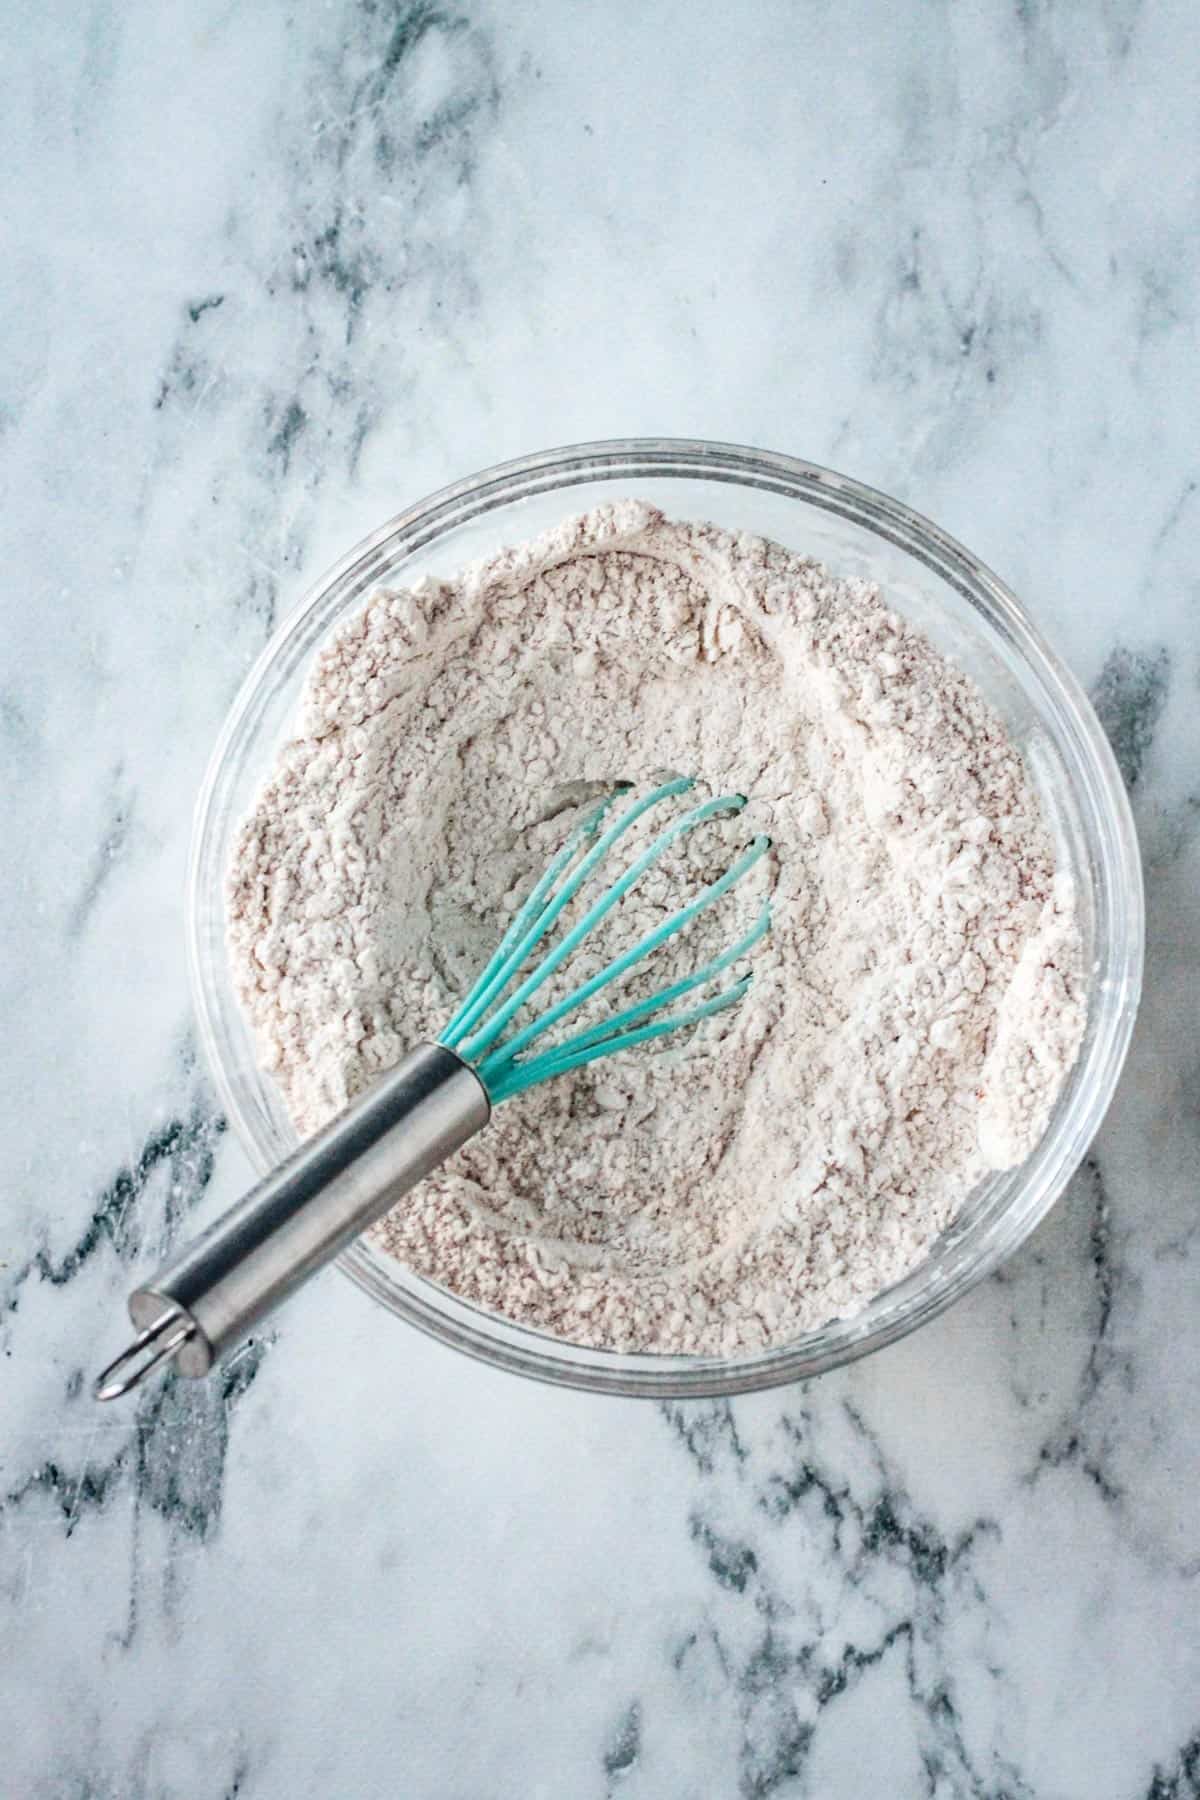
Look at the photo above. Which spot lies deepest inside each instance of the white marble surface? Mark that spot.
(271, 272)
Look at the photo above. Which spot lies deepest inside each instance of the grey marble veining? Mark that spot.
(270, 273)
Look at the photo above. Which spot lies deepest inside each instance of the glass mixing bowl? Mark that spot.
(943, 589)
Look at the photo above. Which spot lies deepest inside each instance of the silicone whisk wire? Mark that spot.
(476, 1031)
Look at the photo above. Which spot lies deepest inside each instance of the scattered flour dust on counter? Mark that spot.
(913, 1011)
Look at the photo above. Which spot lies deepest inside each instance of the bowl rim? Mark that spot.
(1117, 970)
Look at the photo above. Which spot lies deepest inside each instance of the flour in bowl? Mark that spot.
(913, 1012)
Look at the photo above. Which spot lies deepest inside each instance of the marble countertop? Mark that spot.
(272, 272)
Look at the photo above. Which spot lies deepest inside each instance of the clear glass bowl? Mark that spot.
(940, 586)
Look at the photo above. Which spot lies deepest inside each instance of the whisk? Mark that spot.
(352, 1172)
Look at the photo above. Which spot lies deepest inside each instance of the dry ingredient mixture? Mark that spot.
(913, 1011)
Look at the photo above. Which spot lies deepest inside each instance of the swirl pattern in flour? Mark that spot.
(913, 1012)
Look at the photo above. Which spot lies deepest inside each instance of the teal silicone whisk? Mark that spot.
(352, 1172)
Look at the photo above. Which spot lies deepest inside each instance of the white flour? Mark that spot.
(913, 1011)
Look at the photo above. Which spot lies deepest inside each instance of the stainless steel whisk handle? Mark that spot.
(289, 1226)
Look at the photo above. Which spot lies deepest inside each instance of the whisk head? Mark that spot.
(477, 1032)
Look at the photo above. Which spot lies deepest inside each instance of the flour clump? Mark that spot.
(913, 1012)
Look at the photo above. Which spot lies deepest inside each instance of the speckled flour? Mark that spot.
(913, 1011)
